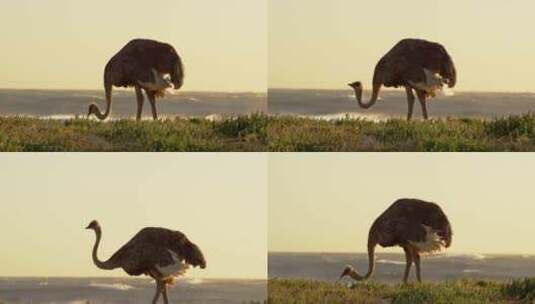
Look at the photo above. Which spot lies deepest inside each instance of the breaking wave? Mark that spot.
(383, 261)
(115, 286)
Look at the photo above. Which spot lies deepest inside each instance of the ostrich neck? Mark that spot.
(373, 98)
(371, 265)
(101, 115)
(102, 265)
(107, 90)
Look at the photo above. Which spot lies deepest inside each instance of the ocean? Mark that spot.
(63, 104)
(333, 104)
(390, 266)
(320, 104)
(128, 290)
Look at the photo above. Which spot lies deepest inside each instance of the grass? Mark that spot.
(513, 133)
(460, 291)
(243, 133)
(260, 132)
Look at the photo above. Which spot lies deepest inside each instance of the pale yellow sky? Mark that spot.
(217, 200)
(327, 202)
(63, 44)
(326, 44)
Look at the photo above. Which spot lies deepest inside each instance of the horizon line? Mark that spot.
(124, 277)
(401, 253)
(394, 89)
(128, 89)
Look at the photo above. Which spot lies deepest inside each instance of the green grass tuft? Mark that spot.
(523, 289)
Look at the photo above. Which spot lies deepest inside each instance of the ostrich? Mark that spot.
(417, 226)
(159, 84)
(160, 253)
(141, 64)
(415, 64)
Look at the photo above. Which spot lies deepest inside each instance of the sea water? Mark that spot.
(389, 267)
(336, 104)
(64, 104)
(127, 290)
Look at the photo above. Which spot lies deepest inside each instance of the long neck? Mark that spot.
(373, 99)
(108, 89)
(371, 265)
(102, 265)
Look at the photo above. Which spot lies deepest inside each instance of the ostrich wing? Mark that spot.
(150, 247)
(136, 59)
(408, 57)
(127, 69)
(403, 221)
(434, 57)
(390, 71)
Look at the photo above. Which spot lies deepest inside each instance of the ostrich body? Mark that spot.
(419, 227)
(414, 64)
(141, 64)
(160, 253)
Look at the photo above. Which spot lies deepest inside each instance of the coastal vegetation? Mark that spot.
(261, 132)
(282, 291)
(242, 133)
(512, 133)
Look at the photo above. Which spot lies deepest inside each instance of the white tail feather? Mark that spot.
(433, 83)
(432, 243)
(173, 270)
(159, 86)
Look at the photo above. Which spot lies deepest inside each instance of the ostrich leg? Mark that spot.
(152, 100)
(422, 98)
(417, 263)
(158, 292)
(410, 101)
(164, 293)
(408, 264)
(140, 99)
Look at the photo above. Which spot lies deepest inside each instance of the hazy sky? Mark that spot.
(327, 202)
(326, 44)
(217, 200)
(65, 44)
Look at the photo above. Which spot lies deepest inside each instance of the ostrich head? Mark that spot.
(347, 271)
(194, 256)
(357, 86)
(94, 225)
(93, 109)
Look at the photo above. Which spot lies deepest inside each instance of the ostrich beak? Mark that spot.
(88, 227)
